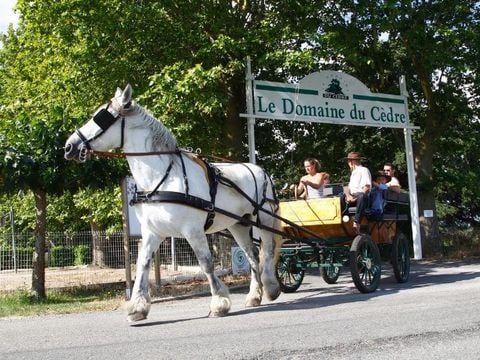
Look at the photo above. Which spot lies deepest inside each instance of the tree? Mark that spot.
(102, 210)
(38, 108)
(432, 43)
(186, 62)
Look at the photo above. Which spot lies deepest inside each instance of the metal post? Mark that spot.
(126, 241)
(156, 258)
(412, 185)
(250, 120)
(14, 246)
(173, 254)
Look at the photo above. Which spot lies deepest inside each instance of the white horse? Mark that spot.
(175, 198)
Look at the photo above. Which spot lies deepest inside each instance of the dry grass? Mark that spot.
(461, 243)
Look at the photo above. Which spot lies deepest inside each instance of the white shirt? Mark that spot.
(359, 178)
(314, 193)
(393, 182)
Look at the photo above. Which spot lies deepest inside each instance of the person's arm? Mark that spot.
(394, 185)
(366, 180)
(317, 182)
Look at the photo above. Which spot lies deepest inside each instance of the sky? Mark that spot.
(7, 15)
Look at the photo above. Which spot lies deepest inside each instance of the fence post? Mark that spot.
(14, 246)
(126, 241)
(173, 254)
(156, 255)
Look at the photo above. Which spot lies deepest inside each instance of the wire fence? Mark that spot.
(86, 259)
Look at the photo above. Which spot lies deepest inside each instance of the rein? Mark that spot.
(122, 155)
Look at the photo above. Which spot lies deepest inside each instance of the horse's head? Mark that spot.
(105, 131)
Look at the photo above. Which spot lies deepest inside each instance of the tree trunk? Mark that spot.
(426, 198)
(425, 150)
(98, 245)
(235, 126)
(38, 274)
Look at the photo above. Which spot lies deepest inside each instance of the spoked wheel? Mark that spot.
(400, 258)
(365, 263)
(290, 273)
(328, 270)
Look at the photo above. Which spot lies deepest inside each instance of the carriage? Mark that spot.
(179, 194)
(321, 235)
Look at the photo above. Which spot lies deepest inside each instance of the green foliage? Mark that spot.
(185, 60)
(101, 207)
(83, 254)
(62, 214)
(61, 256)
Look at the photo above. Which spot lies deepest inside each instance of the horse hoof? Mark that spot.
(252, 302)
(273, 295)
(220, 306)
(138, 316)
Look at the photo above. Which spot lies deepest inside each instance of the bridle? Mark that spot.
(104, 119)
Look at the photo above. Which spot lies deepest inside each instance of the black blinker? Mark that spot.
(104, 119)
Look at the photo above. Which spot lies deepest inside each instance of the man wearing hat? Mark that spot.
(358, 187)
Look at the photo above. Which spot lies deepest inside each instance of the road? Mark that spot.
(436, 315)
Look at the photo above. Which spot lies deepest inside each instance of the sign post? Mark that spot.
(335, 98)
(250, 119)
(412, 185)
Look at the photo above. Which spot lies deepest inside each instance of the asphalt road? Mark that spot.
(436, 315)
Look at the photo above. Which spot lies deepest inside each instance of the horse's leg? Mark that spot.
(270, 244)
(241, 233)
(220, 303)
(139, 304)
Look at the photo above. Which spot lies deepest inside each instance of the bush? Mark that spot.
(83, 255)
(61, 256)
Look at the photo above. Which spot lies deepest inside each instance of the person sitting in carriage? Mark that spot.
(358, 188)
(377, 193)
(311, 185)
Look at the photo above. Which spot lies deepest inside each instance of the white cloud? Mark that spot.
(7, 16)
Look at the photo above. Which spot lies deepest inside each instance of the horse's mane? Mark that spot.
(161, 136)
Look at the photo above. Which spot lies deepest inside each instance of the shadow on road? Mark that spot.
(422, 274)
(319, 294)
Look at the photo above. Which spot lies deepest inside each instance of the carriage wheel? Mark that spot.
(289, 273)
(328, 270)
(401, 258)
(365, 263)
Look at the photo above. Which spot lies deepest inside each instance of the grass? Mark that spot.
(461, 243)
(20, 303)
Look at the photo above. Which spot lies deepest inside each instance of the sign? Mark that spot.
(130, 216)
(336, 98)
(428, 213)
(240, 262)
(329, 97)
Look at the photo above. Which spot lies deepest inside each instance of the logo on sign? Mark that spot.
(334, 91)
(240, 262)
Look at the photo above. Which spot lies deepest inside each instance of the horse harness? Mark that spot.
(104, 119)
(214, 177)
